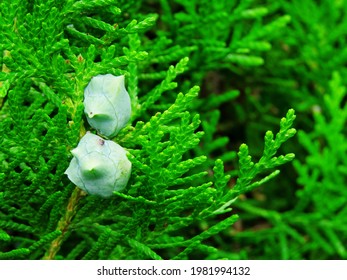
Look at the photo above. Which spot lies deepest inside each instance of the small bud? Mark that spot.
(80, 58)
(99, 166)
(107, 104)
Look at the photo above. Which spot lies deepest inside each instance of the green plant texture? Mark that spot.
(204, 78)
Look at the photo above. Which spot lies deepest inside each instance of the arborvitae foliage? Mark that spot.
(315, 227)
(222, 34)
(304, 55)
(172, 204)
(323, 175)
(307, 69)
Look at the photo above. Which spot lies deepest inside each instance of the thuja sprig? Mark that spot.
(169, 191)
(248, 170)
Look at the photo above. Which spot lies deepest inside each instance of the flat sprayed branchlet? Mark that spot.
(99, 166)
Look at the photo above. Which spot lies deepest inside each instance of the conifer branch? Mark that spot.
(180, 194)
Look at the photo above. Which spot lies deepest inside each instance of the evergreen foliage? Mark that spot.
(306, 68)
(201, 77)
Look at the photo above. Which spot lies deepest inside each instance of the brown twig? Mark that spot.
(64, 223)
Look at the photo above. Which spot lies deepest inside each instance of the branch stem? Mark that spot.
(64, 223)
